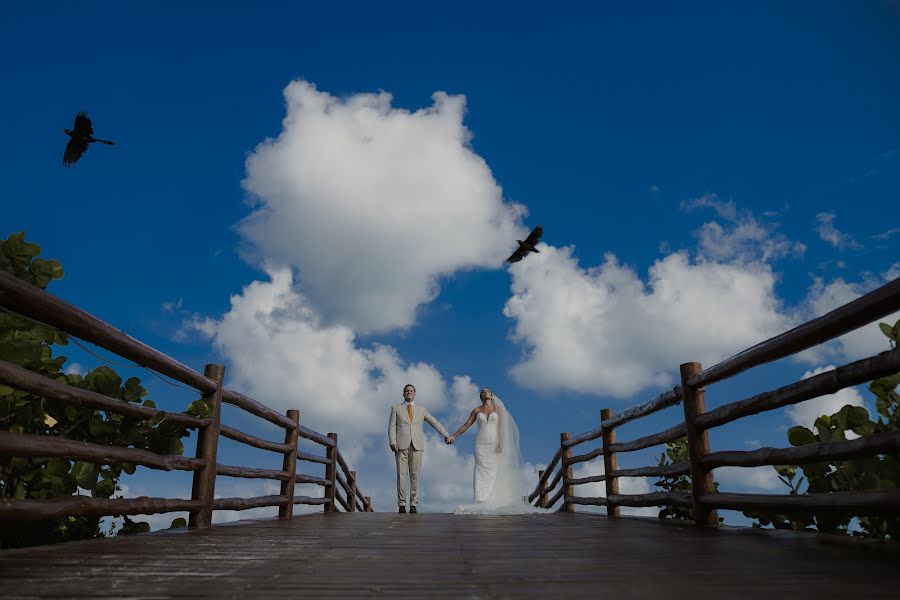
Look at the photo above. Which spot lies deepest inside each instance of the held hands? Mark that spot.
(449, 439)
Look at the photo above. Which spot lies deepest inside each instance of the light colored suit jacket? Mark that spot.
(402, 432)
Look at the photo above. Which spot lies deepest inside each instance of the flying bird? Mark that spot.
(526, 246)
(82, 135)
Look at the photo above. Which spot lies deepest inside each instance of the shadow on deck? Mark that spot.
(440, 555)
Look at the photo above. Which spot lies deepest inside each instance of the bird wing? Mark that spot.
(516, 256)
(74, 149)
(535, 235)
(83, 125)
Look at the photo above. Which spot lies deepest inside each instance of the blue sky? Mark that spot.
(749, 152)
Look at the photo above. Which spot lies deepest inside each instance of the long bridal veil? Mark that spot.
(509, 494)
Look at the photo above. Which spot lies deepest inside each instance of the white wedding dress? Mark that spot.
(498, 482)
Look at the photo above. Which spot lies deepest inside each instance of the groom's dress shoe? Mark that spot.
(403, 509)
(412, 509)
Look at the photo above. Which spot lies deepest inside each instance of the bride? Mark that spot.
(498, 479)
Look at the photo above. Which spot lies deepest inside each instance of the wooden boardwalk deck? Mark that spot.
(439, 555)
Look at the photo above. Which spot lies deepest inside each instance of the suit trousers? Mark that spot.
(408, 462)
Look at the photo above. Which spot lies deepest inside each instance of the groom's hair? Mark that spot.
(409, 385)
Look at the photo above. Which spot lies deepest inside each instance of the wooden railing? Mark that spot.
(696, 422)
(33, 303)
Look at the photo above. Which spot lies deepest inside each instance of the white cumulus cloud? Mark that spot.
(372, 204)
(604, 330)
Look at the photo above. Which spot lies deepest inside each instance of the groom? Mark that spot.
(408, 443)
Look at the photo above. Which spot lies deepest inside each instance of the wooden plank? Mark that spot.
(305, 456)
(663, 437)
(583, 480)
(256, 408)
(583, 457)
(35, 383)
(72, 506)
(309, 500)
(331, 473)
(681, 468)
(864, 502)
(301, 478)
(869, 445)
(245, 438)
(664, 400)
(249, 473)
(844, 319)
(246, 503)
(828, 382)
(652, 499)
(555, 555)
(45, 446)
(315, 436)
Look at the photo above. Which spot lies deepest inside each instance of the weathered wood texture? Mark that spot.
(245, 438)
(37, 384)
(289, 465)
(301, 478)
(670, 434)
(547, 471)
(57, 508)
(565, 469)
(829, 382)
(702, 482)
(313, 458)
(862, 311)
(245, 503)
(34, 303)
(249, 473)
(610, 462)
(664, 400)
(331, 473)
(577, 458)
(203, 488)
(45, 446)
(876, 443)
(864, 502)
(523, 556)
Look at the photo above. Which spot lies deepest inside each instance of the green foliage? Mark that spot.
(676, 452)
(29, 345)
(870, 473)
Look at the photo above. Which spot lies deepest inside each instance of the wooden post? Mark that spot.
(564, 456)
(204, 484)
(351, 495)
(368, 503)
(542, 499)
(610, 463)
(290, 465)
(702, 482)
(331, 474)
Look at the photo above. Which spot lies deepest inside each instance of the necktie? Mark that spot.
(409, 411)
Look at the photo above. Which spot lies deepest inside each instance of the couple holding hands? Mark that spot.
(497, 478)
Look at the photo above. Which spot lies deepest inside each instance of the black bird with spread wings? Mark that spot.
(82, 135)
(527, 245)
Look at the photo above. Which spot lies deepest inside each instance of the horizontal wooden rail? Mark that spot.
(36, 304)
(583, 457)
(669, 435)
(547, 472)
(343, 482)
(876, 443)
(650, 499)
(247, 473)
(246, 503)
(256, 408)
(45, 446)
(315, 436)
(309, 500)
(245, 438)
(34, 383)
(583, 480)
(311, 458)
(77, 506)
(664, 400)
(342, 463)
(844, 319)
(863, 502)
(587, 436)
(310, 479)
(828, 382)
